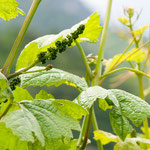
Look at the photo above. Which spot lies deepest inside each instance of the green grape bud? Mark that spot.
(130, 12)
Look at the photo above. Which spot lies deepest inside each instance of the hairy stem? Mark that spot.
(98, 68)
(9, 62)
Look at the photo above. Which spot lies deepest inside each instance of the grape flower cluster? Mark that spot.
(14, 82)
(61, 46)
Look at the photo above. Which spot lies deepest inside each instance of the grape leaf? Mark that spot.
(90, 34)
(52, 77)
(9, 9)
(43, 119)
(103, 105)
(70, 108)
(119, 123)
(138, 57)
(8, 141)
(141, 30)
(132, 144)
(105, 137)
(23, 124)
(21, 94)
(123, 20)
(44, 95)
(131, 107)
(5, 91)
(89, 96)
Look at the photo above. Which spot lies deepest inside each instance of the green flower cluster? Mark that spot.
(14, 82)
(61, 46)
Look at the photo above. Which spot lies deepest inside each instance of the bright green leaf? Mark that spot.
(44, 95)
(21, 94)
(52, 77)
(8, 141)
(105, 137)
(123, 20)
(90, 34)
(89, 96)
(103, 105)
(138, 57)
(5, 91)
(70, 108)
(140, 30)
(9, 9)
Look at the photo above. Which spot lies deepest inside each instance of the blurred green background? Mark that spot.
(50, 18)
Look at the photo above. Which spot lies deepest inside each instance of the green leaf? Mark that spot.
(119, 123)
(52, 77)
(24, 124)
(138, 57)
(103, 105)
(5, 91)
(141, 30)
(131, 107)
(90, 34)
(128, 145)
(21, 94)
(43, 119)
(70, 108)
(132, 144)
(8, 141)
(89, 96)
(105, 137)
(44, 95)
(123, 20)
(9, 9)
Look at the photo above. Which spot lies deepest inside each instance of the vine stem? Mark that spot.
(6, 110)
(98, 68)
(141, 93)
(22, 70)
(88, 69)
(140, 80)
(82, 141)
(125, 68)
(9, 62)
